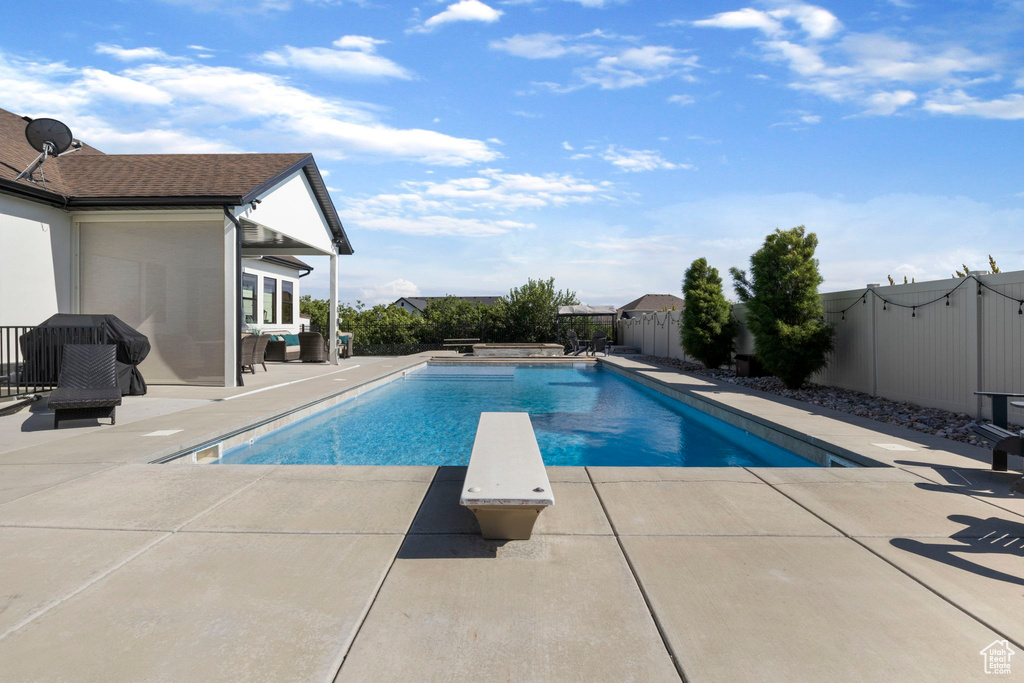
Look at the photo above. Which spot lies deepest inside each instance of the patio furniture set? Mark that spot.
(307, 347)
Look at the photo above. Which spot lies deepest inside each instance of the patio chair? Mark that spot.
(574, 342)
(312, 348)
(600, 342)
(259, 352)
(87, 386)
(245, 358)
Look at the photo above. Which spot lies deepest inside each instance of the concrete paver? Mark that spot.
(42, 566)
(895, 509)
(605, 475)
(800, 609)
(275, 607)
(702, 508)
(20, 480)
(983, 484)
(131, 497)
(336, 502)
(555, 608)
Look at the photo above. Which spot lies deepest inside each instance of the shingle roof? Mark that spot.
(172, 175)
(654, 302)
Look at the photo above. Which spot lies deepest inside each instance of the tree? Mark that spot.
(530, 310)
(784, 310)
(452, 318)
(317, 310)
(992, 267)
(708, 329)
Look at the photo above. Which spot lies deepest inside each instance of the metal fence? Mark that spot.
(30, 357)
(405, 337)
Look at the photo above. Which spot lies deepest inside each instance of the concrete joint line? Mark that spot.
(639, 584)
(901, 570)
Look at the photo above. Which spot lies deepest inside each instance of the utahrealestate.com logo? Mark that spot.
(997, 657)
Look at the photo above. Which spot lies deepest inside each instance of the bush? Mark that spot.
(708, 330)
(530, 311)
(784, 311)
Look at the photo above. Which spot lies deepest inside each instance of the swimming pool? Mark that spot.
(582, 415)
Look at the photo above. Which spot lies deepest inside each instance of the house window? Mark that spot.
(269, 300)
(249, 298)
(287, 317)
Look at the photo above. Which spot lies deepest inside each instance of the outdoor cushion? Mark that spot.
(291, 339)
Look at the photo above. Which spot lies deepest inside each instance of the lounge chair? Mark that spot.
(87, 386)
(312, 348)
(245, 358)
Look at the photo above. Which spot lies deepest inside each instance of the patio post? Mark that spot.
(332, 317)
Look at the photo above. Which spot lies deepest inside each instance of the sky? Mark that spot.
(472, 144)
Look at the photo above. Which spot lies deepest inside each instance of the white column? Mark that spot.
(332, 317)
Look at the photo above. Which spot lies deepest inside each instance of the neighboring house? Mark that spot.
(159, 241)
(417, 304)
(270, 292)
(651, 303)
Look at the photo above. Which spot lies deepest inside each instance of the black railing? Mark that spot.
(414, 335)
(30, 357)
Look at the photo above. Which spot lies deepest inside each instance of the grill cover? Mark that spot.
(132, 348)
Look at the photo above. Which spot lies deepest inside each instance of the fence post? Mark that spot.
(872, 333)
(974, 337)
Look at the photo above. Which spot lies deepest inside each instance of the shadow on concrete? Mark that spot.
(980, 537)
(977, 483)
(442, 547)
(40, 418)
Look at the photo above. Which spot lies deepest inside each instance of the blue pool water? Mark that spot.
(581, 415)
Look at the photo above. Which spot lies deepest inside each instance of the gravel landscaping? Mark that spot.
(956, 426)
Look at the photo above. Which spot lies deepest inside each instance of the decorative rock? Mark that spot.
(954, 426)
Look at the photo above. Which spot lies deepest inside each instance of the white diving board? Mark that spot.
(506, 484)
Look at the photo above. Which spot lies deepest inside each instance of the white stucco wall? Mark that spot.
(35, 262)
(262, 269)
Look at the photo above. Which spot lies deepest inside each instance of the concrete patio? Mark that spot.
(115, 569)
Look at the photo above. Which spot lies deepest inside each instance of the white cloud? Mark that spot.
(189, 99)
(567, 146)
(135, 54)
(743, 18)
(483, 205)
(354, 58)
(681, 100)
(959, 103)
(885, 103)
(636, 160)
(389, 292)
(617, 61)
(464, 10)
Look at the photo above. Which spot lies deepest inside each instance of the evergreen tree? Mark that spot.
(784, 310)
(708, 329)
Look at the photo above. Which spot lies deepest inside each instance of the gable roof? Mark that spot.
(89, 178)
(654, 302)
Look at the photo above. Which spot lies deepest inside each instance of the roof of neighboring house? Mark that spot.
(654, 302)
(89, 178)
(420, 302)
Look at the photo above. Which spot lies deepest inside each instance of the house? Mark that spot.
(417, 304)
(162, 241)
(270, 292)
(651, 303)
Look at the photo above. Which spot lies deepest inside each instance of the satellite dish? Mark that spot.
(48, 136)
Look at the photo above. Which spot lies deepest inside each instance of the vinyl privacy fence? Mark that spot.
(934, 355)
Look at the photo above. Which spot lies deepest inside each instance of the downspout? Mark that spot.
(238, 293)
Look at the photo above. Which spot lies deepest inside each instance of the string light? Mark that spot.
(885, 302)
(913, 311)
(947, 299)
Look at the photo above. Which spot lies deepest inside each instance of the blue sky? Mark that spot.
(470, 145)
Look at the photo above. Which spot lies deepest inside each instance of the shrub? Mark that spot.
(784, 310)
(708, 329)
